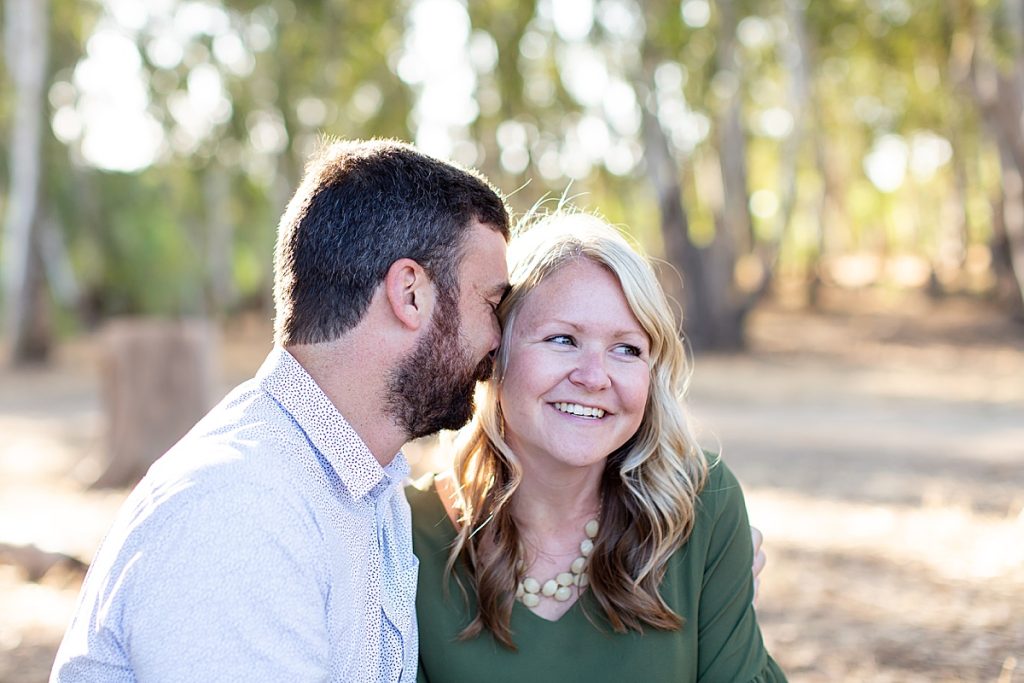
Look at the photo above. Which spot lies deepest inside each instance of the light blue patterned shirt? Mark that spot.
(267, 545)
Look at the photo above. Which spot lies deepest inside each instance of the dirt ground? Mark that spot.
(880, 444)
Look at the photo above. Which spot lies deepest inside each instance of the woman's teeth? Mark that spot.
(578, 410)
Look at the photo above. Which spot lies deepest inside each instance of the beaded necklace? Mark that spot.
(529, 591)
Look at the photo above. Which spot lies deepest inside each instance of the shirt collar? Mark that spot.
(290, 385)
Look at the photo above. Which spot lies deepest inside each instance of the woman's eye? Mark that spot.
(562, 339)
(628, 350)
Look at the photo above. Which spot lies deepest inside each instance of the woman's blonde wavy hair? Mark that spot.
(650, 484)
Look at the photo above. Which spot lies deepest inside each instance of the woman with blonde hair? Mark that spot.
(582, 533)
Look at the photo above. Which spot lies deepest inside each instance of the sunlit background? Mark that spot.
(843, 143)
(838, 183)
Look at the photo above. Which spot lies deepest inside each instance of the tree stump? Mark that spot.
(158, 377)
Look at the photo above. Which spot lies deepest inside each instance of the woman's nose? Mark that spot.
(590, 372)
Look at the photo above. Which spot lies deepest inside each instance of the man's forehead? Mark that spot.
(485, 254)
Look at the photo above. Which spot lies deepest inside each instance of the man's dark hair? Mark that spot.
(362, 206)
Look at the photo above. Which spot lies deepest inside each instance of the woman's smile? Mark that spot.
(578, 410)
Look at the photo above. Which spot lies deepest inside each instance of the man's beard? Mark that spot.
(432, 388)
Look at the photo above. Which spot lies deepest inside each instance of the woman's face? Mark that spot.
(578, 370)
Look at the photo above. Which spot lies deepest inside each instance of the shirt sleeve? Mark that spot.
(228, 587)
(730, 649)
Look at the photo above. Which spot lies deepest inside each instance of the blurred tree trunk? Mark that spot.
(959, 234)
(714, 312)
(725, 307)
(1000, 99)
(680, 251)
(795, 56)
(831, 217)
(27, 50)
(732, 142)
(826, 208)
(1008, 236)
(711, 318)
(158, 379)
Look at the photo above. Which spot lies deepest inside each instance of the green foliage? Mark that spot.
(144, 242)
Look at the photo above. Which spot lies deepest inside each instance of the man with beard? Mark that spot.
(273, 541)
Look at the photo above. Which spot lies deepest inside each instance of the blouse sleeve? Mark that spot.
(729, 642)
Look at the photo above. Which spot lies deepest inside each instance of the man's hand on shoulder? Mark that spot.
(760, 558)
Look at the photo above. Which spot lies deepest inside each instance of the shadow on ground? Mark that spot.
(880, 448)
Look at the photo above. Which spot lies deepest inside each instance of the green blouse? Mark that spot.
(708, 583)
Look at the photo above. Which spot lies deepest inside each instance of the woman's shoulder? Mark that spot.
(422, 494)
(427, 506)
(720, 475)
(418, 487)
(721, 488)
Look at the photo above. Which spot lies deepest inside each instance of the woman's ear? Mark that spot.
(410, 293)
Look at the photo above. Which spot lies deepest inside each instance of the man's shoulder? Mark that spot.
(244, 451)
(208, 502)
(247, 433)
(247, 414)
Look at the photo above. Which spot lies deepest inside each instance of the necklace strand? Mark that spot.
(529, 591)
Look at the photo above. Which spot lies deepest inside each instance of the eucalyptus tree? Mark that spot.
(900, 163)
(41, 41)
(286, 73)
(26, 40)
(735, 138)
(621, 100)
(988, 61)
(219, 105)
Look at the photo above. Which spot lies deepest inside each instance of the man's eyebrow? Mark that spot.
(499, 291)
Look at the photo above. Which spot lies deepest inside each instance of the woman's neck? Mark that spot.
(548, 504)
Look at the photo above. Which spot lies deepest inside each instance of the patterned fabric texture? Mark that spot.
(267, 545)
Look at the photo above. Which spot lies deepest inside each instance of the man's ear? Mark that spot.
(409, 292)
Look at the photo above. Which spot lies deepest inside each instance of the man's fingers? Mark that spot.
(760, 558)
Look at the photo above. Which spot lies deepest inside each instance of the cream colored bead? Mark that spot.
(531, 600)
(586, 545)
(591, 528)
(531, 585)
(578, 564)
(549, 588)
(520, 591)
(584, 580)
(564, 579)
(563, 593)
